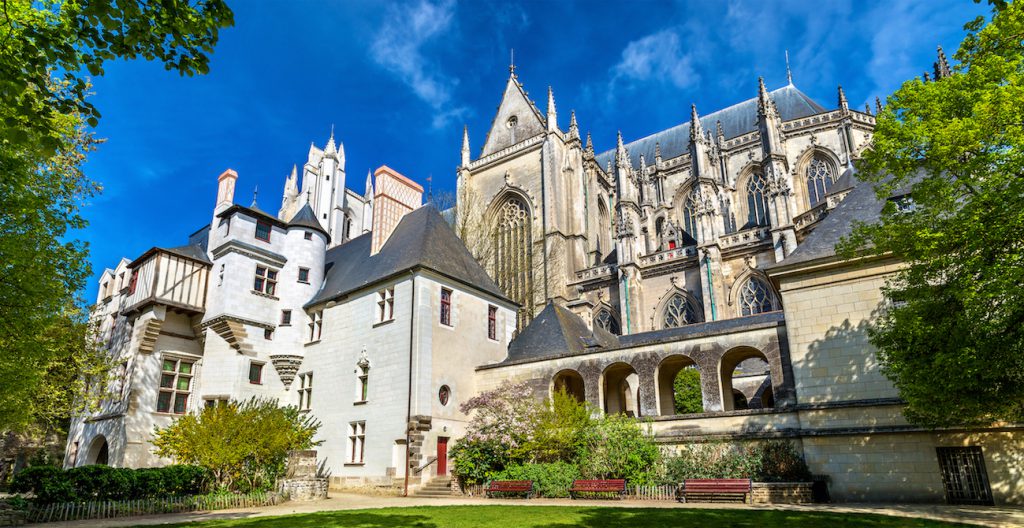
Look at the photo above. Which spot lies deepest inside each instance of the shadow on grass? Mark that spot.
(671, 517)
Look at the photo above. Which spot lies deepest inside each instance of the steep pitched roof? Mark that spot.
(736, 120)
(422, 239)
(556, 332)
(514, 102)
(307, 218)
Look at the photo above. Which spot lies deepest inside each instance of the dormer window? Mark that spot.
(263, 230)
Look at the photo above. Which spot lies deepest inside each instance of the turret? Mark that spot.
(769, 123)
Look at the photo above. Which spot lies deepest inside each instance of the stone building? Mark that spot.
(710, 246)
(369, 334)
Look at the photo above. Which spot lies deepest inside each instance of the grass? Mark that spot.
(567, 516)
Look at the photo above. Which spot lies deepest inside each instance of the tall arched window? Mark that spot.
(513, 256)
(690, 215)
(679, 311)
(757, 297)
(820, 177)
(757, 202)
(606, 320)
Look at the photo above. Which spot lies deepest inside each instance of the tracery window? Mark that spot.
(757, 201)
(757, 297)
(679, 311)
(820, 177)
(512, 256)
(690, 215)
(606, 320)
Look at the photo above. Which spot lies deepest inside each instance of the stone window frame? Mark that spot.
(446, 307)
(356, 442)
(612, 318)
(694, 303)
(492, 322)
(303, 271)
(305, 390)
(385, 305)
(265, 281)
(316, 326)
(259, 367)
(263, 225)
(286, 318)
(174, 391)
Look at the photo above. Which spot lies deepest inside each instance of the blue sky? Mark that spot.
(398, 82)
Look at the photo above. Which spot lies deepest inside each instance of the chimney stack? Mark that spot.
(394, 197)
(225, 190)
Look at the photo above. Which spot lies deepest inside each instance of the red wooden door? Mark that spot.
(442, 455)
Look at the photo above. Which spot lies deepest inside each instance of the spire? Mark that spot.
(574, 129)
(867, 108)
(789, 74)
(465, 145)
(696, 132)
(942, 69)
(552, 114)
(621, 155)
(844, 105)
(765, 105)
(512, 63)
(925, 77)
(330, 148)
(590, 145)
(255, 192)
(368, 192)
(657, 152)
(878, 105)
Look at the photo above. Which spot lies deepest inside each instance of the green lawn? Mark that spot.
(566, 516)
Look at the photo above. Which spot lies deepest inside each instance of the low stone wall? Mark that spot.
(781, 493)
(10, 516)
(304, 489)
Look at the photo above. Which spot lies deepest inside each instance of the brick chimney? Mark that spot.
(395, 195)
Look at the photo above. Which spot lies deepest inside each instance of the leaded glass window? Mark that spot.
(757, 201)
(690, 215)
(679, 311)
(820, 177)
(606, 320)
(513, 256)
(756, 297)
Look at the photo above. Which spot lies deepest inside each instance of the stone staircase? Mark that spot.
(437, 488)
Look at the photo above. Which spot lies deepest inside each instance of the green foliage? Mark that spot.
(952, 340)
(619, 448)
(686, 388)
(87, 483)
(560, 429)
(477, 461)
(552, 479)
(244, 444)
(767, 461)
(47, 49)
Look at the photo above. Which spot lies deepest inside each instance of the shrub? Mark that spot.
(768, 461)
(244, 445)
(687, 390)
(102, 482)
(619, 448)
(51, 484)
(549, 480)
(30, 479)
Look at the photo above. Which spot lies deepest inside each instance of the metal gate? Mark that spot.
(964, 476)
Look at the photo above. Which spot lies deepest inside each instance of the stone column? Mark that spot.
(710, 384)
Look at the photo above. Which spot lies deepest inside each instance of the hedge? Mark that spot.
(87, 483)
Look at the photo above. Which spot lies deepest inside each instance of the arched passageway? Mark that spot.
(571, 382)
(621, 390)
(745, 378)
(99, 452)
(679, 386)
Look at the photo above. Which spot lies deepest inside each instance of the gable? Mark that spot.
(514, 104)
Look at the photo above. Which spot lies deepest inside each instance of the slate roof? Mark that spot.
(862, 204)
(736, 120)
(191, 251)
(422, 239)
(307, 218)
(556, 332)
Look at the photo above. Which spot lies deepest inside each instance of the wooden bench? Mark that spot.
(510, 486)
(709, 490)
(616, 486)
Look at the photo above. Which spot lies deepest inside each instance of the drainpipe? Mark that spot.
(625, 289)
(543, 225)
(711, 289)
(408, 407)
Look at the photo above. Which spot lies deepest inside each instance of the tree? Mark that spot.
(244, 444)
(947, 155)
(47, 50)
(687, 392)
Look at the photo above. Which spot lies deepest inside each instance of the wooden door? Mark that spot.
(442, 455)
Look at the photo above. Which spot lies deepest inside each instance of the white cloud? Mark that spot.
(655, 57)
(398, 48)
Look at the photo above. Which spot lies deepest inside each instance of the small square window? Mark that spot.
(268, 334)
(263, 230)
(256, 373)
(304, 275)
(308, 235)
(286, 317)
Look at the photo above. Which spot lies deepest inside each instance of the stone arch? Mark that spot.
(742, 203)
(572, 382)
(620, 389)
(668, 369)
(727, 367)
(658, 319)
(800, 178)
(606, 317)
(736, 290)
(99, 452)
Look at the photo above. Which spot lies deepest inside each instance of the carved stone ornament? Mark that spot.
(623, 228)
(364, 362)
(777, 184)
